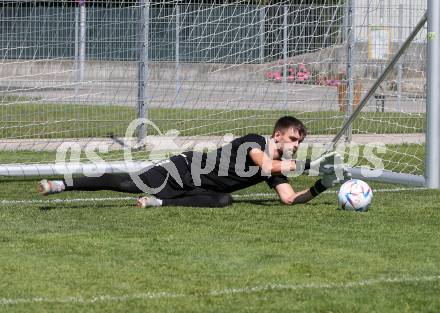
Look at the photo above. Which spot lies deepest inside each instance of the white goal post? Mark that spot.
(78, 72)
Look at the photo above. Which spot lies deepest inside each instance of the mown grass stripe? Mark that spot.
(219, 293)
(239, 196)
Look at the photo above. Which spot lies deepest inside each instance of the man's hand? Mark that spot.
(331, 179)
(326, 163)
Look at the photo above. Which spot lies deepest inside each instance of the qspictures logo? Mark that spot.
(202, 162)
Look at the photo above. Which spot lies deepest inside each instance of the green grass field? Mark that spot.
(42, 120)
(96, 252)
(254, 256)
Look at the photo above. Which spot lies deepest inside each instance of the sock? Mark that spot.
(58, 185)
(151, 201)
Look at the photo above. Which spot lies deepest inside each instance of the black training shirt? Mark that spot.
(230, 167)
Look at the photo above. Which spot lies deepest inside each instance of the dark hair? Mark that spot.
(287, 122)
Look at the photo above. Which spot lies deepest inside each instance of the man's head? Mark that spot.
(288, 133)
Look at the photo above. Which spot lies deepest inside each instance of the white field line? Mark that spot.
(273, 195)
(241, 196)
(217, 293)
(73, 200)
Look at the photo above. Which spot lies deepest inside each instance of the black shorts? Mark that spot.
(158, 175)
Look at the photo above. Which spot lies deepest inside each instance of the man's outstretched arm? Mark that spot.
(270, 166)
(289, 196)
(275, 167)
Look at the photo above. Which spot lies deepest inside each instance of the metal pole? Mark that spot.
(262, 23)
(382, 13)
(344, 25)
(143, 67)
(387, 177)
(368, 15)
(367, 67)
(76, 62)
(400, 65)
(349, 92)
(58, 169)
(432, 165)
(178, 83)
(376, 84)
(382, 24)
(285, 42)
(82, 39)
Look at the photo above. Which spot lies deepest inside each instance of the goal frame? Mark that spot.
(432, 158)
(430, 179)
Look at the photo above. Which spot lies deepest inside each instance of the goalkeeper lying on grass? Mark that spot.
(199, 179)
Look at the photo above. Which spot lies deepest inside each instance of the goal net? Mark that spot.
(75, 74)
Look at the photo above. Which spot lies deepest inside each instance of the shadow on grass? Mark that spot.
(263, 202)
(277, 202)
(89, 205)
(111, 206)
